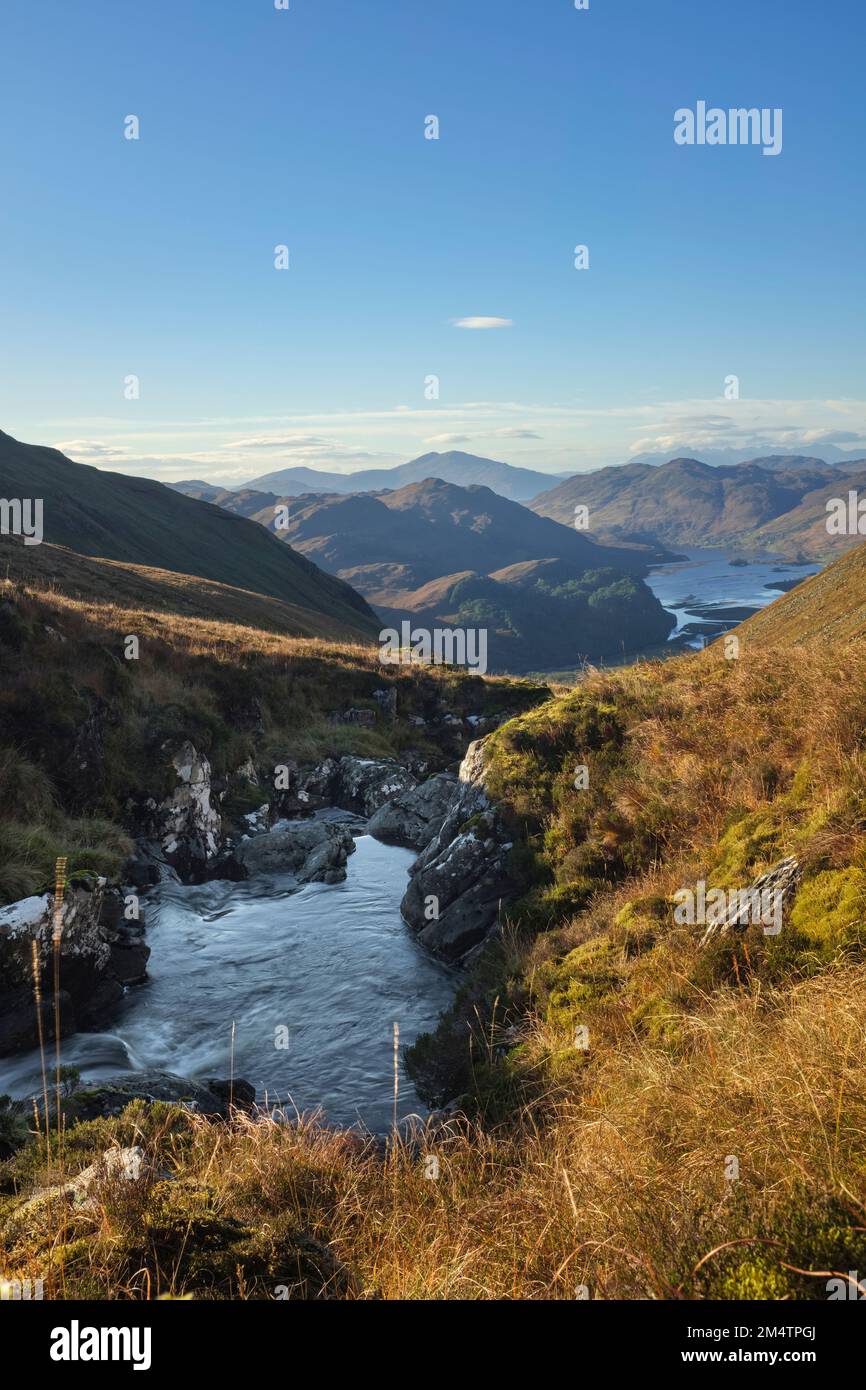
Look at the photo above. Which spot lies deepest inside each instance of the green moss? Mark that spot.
(639, 924)
(754, 1279)
(750, 844)
(828, 911)
(545, 907)
(587, 975)
(660, 1020)
(806, 1231)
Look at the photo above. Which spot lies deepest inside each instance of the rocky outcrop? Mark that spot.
(361, 785)
(387, 702)
(190, 828)
(363, 717)
(460, 880)
(315, 851)
(414, 816)
(100, 954)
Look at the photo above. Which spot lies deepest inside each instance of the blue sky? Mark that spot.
(306, 128)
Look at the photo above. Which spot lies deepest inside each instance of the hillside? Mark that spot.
(802, 532)
(89, 580)
(434, 528)
(690, 503)
(828, 607)
(141, 522)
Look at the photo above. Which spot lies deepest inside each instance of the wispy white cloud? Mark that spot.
(476, 322)
(91, 451)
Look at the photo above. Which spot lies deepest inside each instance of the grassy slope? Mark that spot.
(142, 522)
(828, 607)
(158, 591)
(607, 1167)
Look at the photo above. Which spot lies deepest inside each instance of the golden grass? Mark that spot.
(622, 1191)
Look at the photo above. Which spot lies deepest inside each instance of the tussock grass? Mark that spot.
(621, 1189)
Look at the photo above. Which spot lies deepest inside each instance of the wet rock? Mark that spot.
(129, 962)
(128, 955)
(110, 1096)
(413, 817)
(238, 1093)
(257, 822)
(226, 865)
(142, 869)
(316, 851)
(18, 1020)
(322, 782)
(84, 962)
(100, 955)
(459, 882)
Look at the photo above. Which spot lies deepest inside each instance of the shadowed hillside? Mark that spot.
(145, 523)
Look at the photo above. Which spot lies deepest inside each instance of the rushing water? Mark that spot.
(334, 965)
(707, 577)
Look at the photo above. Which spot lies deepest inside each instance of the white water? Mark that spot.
(333, 964)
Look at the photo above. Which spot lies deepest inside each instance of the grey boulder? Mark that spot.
(315, 851)
(414, 816)
(459, 882)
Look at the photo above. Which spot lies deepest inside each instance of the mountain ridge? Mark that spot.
(686, 501)
(114, 516)
(509, 480)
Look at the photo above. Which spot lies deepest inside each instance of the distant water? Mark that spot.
(333, 963)
(708, 577)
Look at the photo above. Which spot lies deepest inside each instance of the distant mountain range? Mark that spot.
(519, 484)
(774, 504)
(548, 595)
(728, 457)
(138, 521)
